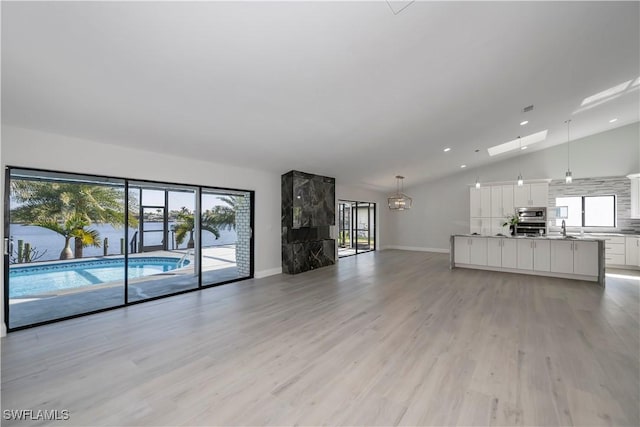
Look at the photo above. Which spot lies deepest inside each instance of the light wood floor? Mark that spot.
(385, 338)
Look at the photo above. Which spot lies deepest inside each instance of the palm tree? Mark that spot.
(212, 220)
(73, 227)
(54, 202)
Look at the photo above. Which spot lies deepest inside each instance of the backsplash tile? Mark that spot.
(620, 186)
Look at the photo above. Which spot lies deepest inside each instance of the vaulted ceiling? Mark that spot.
(347, 89)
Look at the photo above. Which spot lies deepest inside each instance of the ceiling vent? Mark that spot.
(527, 109)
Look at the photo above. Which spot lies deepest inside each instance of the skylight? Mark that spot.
(606, 93)
(525, 141)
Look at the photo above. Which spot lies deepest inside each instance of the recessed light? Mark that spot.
(463, 166)
(524, 123)
(447, 149)
(613, 120)
(524, 148)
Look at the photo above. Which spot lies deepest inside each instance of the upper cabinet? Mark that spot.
(491, 204)
(308, 200)
(635, 195)
(529, 195)
(480, 202)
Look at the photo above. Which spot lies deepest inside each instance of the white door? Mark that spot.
(474, 203)
(496, 201)
(507, 201)
(475, 226)
(541, 255)
(509, 253)
(562, 257)
(494, 252)
(585, 258)
(539, 195)
(525, 254)
(632, 250)
(521, 196)
(485, 202)
(461, 250)
(478, 252)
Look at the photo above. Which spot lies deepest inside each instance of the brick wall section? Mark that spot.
(243, 230)
(620, 186)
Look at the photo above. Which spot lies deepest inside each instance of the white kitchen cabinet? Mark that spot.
(635, 195)
(521, 195)
(539, 195)
(585, 258)
(507, 201)
(562, 257)
(480, 202)
(531, 195)
(478, 251)
(541, 255)
(461, 250)
(496, 201)
(632, 251)
(509, 253)
(525, 254)
(494, 252)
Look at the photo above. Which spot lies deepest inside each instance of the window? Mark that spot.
(80, 244)
(588, 211)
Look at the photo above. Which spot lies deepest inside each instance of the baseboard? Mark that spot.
(266, 273)
(418, 249)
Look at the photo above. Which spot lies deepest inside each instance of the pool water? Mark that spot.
(46, 278)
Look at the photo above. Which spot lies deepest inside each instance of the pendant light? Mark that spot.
(478, 182)
(520, 180)
(568, 177)
(399, 201)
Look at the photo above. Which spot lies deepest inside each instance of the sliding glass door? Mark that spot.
(73, 247)
(356, 227)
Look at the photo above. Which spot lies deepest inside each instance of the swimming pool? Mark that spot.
(46, 278)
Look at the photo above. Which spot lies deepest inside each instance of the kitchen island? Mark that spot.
(578, 258)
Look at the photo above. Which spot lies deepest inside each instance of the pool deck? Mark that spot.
(218, 265)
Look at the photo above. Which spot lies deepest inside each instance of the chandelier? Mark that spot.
(399, 201)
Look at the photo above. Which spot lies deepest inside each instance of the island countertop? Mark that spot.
(570, 238)
(572, 257)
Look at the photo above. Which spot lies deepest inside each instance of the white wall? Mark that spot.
(441, 207)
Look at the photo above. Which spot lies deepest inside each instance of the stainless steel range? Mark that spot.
(531, 221)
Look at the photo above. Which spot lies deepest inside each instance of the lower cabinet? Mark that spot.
(562, 257)
(502, 253)
(525, 254)
(531, 255)
(509, 253)
(632, 251)
(494, 252)
(541, 255)
(574, 258)
(471, 250)
(585, 258)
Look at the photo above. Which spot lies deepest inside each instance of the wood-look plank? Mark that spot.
(384, 338)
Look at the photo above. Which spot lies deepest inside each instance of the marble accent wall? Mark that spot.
(620, 186)
(308, 212)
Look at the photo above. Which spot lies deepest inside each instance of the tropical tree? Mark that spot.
(212, 220)
(42, 202)
(73, 227)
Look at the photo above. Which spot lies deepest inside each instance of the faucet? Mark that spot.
(564, 229)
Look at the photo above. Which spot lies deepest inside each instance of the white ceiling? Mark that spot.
(344, 89)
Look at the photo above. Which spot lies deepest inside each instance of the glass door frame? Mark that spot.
(353, 225)
(198, 188)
